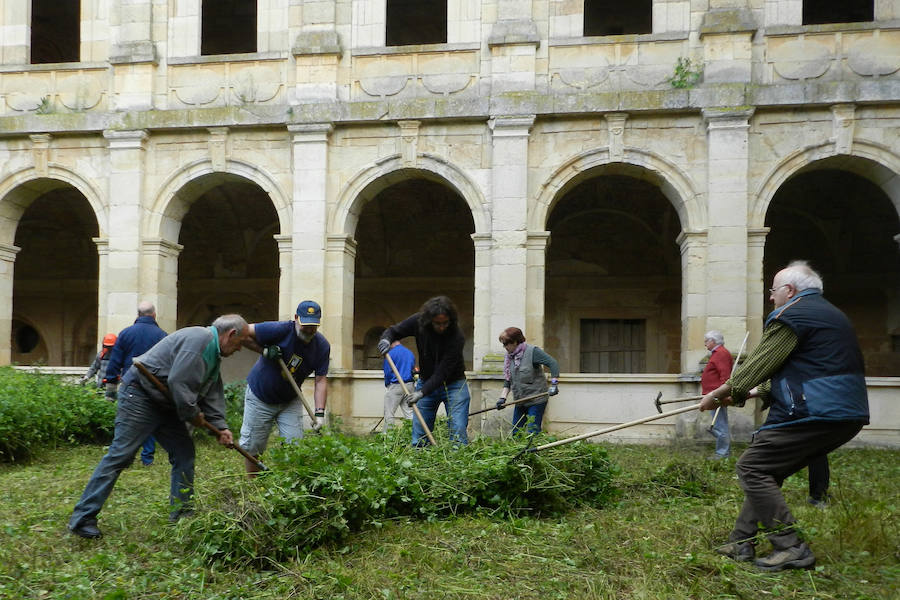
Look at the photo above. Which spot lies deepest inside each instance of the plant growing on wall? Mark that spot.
(687, 73)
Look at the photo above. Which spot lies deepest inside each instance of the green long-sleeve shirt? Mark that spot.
(778, 341)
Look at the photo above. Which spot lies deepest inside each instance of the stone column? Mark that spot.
(693, 297)
(481, 327)
(286, 302)
(102, 271)
(132, 54)
(309, 210)
(7, 267)
(159, 279)
(513, 41)
(727, 193)
(126, 187)
(535, 277)
(509, 223)
(337, 307)
(757, 288)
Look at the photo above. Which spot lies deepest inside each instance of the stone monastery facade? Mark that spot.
(615, 178)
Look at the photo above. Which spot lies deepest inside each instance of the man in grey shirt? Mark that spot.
(187, 363)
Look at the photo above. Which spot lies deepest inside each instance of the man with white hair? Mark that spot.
(808, 370)
(717, 372)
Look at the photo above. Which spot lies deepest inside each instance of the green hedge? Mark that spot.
(325, 487)
(41, 411)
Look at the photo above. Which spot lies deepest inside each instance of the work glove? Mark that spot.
(501, 403)
(412, 397)
(111, 389)
(554, 388)
(320, 419)
(272, 352)
(383, 346)
(82, 380)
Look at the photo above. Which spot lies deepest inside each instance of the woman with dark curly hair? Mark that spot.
(439, 342)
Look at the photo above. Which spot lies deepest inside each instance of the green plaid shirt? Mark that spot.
(778, 341)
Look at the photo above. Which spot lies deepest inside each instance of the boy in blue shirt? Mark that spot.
(270, 397)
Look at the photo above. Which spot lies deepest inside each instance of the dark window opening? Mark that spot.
(55, 31)
(227, 27)
(817, 12)
(614, 17)
(416, 22)
(613, 345)
(27, 338)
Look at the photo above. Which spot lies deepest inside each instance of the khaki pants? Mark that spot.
(393, 397)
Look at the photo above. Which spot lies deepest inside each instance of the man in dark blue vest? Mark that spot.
(808, 370)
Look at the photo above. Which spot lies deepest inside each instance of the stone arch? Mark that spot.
(675, 184)
(21, 187)
(868, 160)
(170, 204)
(367, 183)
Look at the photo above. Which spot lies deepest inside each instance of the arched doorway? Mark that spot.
(414, 242)
(613, 277)
(55, 277)
(847, 227)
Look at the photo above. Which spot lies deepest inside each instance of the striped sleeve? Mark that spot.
(778, 341)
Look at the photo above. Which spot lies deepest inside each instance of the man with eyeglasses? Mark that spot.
(439, 342)
(808, 370)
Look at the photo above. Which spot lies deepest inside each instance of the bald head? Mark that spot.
(146, 309)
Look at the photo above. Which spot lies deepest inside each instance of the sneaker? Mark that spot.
(147, 464)
(739, 551)
(717, 457)
(795, 557)
(818, 502)
(87, 530)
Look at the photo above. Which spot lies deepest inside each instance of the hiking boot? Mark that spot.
(818, 502)
(795, 557)
(739, 551)
(182, 513)
(87, 530)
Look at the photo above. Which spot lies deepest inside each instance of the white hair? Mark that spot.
(801, 276)
(715, 336)
(226, 323)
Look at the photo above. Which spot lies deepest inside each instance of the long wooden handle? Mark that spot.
(203, 422)
(284, 370)
(415, 408)
(685, 399)
(525, 399)
(585, 436)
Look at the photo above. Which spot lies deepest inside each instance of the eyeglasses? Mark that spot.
(773, 290)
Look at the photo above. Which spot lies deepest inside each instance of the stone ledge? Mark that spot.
(131, 53)
(729, 20)
(414, 49)
(514, 32)
(317, 42)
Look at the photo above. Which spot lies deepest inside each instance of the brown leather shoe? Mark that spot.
(795, 557)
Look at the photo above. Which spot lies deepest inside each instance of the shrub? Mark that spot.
(38, 411)
(323, 488)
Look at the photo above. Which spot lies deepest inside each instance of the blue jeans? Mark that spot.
(521, 414)
(136, 418)
(455, 397)
(720, 430)
(148, 449)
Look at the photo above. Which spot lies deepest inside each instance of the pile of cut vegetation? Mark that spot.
(42, 411)
(323, 488)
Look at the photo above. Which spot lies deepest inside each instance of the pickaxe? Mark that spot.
(203, 422)
(511, 403)
(585, 436)
(415, 408)
(659, 402)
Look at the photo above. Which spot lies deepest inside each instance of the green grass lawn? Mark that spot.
(655, 543)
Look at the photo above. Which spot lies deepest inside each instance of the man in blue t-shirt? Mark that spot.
(270, 397)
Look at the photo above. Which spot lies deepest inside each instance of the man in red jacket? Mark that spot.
(717, 372)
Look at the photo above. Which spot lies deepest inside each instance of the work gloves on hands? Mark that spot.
(553, 389)
(272, 352)
(412, 397)
(111, 390)
(501, 403)
(383, 346)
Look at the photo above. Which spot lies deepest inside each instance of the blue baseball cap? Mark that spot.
(310, 313)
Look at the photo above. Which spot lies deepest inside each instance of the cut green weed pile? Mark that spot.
(326, 487)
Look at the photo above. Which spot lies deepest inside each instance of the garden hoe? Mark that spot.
(204, 423)
(733, 369)
(525, 399)
(414, 407)
(585, 436)
(659, 402)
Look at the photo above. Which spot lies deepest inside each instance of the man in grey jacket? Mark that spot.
(187, 362)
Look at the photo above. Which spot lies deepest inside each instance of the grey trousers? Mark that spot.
(773, 455)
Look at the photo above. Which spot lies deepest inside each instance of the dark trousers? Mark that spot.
(773, 455)
(819, 477)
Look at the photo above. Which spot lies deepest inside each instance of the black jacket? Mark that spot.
(440, 355)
